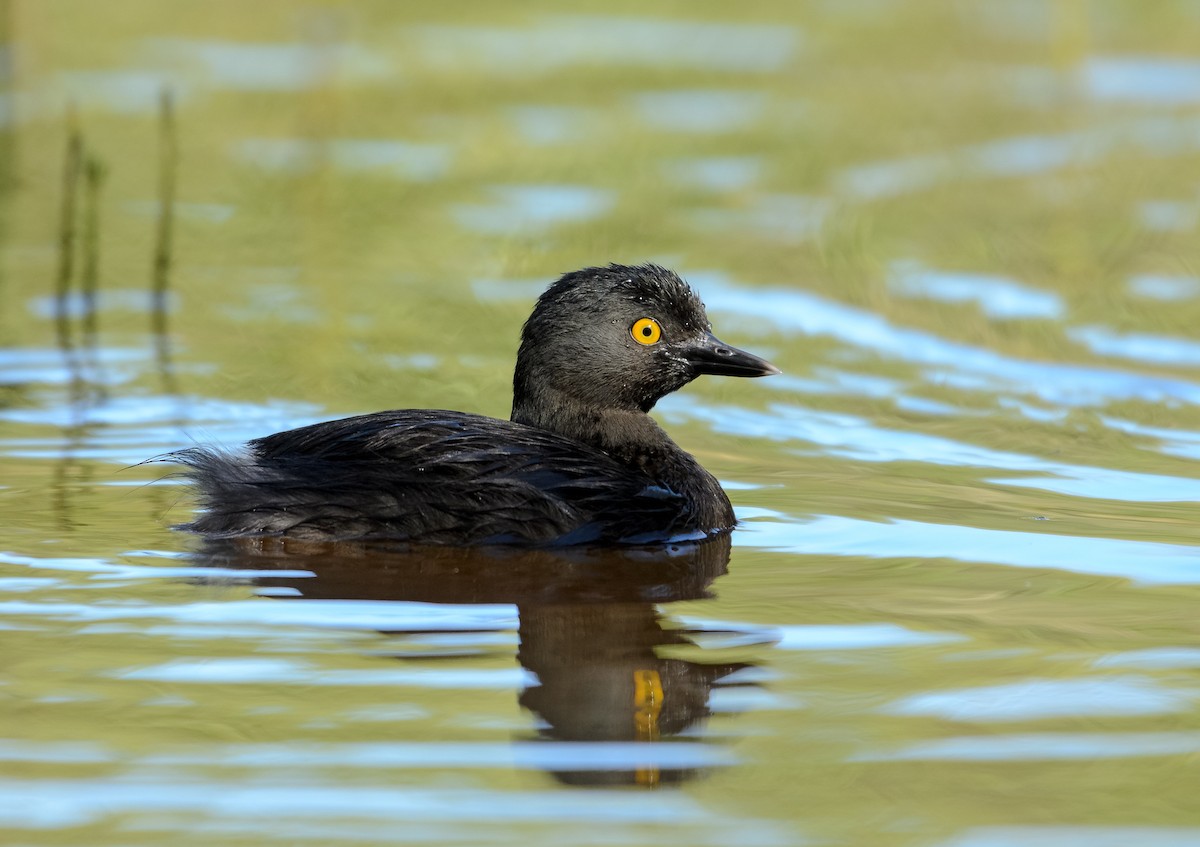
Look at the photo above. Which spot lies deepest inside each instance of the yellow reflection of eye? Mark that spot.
(646, 331)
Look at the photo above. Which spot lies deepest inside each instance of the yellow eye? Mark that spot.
(646, 331)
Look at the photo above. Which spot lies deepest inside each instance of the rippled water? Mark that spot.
(962, 606)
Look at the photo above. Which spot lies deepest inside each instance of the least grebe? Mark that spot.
(580, 461)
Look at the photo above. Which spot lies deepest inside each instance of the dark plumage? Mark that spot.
(580, 462)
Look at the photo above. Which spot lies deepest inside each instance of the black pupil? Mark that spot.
(646, 331)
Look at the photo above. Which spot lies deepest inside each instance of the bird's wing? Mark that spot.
(431, 476)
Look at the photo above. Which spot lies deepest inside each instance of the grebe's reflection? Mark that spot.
(589, 630)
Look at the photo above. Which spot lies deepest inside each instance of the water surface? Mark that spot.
(961, 608)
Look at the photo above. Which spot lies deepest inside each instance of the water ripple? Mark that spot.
(1140, 347)
(1035, 699)
(831, 535)
(1027, 155)
(1043, 746)
(519, 207)
(1060, 383)
(996, 296)
(256, 670)
(560, 41)
(852, 437)
(1069, 835)
(1143, 79)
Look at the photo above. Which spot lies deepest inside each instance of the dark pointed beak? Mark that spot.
(711, 355)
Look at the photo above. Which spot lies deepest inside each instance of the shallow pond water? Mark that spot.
(961, 609)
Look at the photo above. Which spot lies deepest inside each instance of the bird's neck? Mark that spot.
(632, 438)
(625, 434)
